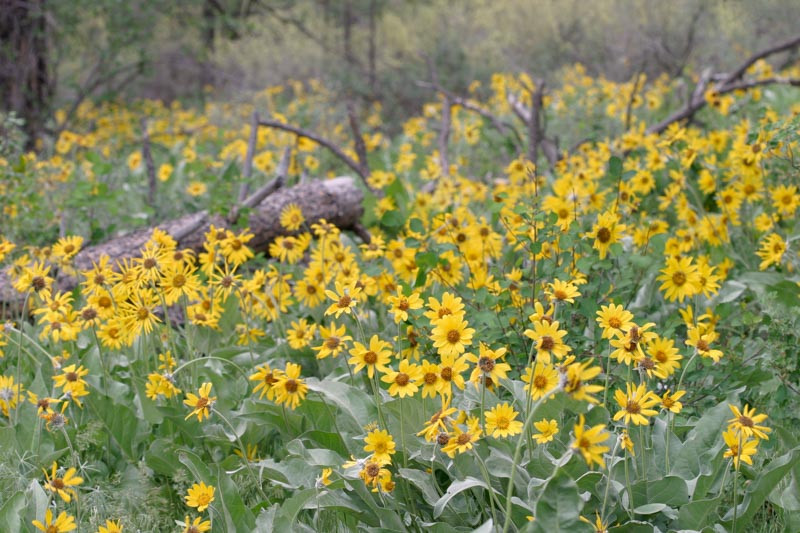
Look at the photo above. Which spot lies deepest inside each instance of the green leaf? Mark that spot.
(695, 514)
(423, 481)
(614, 168)
(393, 219)
(10, 512)
(634, 526)
(671, 491)
(757, 491)
(121, 423)
(559, 507)
(702, 443)
(456, 487)
(649, 508)
(237, 516)
(349, 400)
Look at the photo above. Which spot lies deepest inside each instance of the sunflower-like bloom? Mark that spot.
(463, 440)
(402, 304)
(344, 299)
(636, 405)
(771, 252)
(63, 486)
(589, 442)
(702, 343)
(292, 217)
(563, 291)
(381, 444)
(333, 341)
(200, 496)
(614, 318)
(501, 421)
(376, 355)
(747, 422)
(266, 378)
(451, 335)
(62, 524)
(680, 278)
(201, 403)
(740, 448)
(547, 429)
(403, 382)
(540, 380)
(575, 376)
(606, 232)
(290, 389)
(549, 340)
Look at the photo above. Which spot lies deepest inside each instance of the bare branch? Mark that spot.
(502, 126)
(280, 179)
(361, 148)
(363, 172)
(789, 44)
(727, 83)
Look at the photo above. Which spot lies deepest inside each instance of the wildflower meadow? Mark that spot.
(507, 334)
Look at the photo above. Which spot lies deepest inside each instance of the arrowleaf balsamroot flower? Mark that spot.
(589, 442)
(740, 448)
(198, 525)
(200, 403)
(462, 440)
(404, 380)
(402, 304)
(344, 299)
(63, 486)
(549, 341)
(333, 341)
(746, 422)
(292, 217)
(614, 318)
(636, 405)
(574, 379)
(62, 524)
(606, 232)
(290, 389)
(702, 343)
(200, 496)
(501, 421)
(382, 446)
(377, 355)
(563, 291)
(451, 335)
(680, 278)
(545, 380)
(547, 429)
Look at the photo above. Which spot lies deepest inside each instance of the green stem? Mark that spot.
(487, 479)
(214, 358)
(22, 318)
(517, 452)
(736, 485)
(244, 453)
(608, 485)
(644, 452)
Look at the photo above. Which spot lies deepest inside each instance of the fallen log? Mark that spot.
(339, 201)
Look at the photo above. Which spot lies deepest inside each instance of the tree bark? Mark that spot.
(339, 201)
(26, 84)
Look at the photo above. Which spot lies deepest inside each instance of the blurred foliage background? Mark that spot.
(56, 54)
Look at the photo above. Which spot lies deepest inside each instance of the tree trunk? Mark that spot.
(26, 86)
